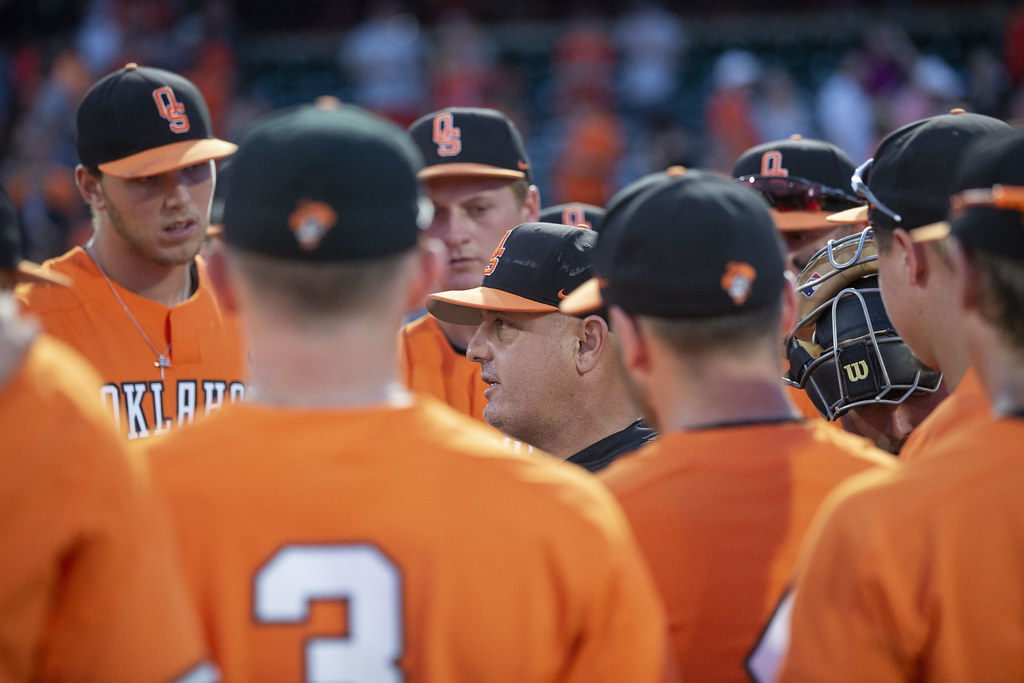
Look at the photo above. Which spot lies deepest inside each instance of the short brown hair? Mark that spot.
(1001, 295)
(313, 291)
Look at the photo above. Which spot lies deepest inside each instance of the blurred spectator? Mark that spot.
(932, 89)
(385, 57)
(463, 63)
(845, 110)
(40, 174)
(988, 82)
(583, 63)
(780, 106)
(652, 45)
(1013, 43)
(729, 123)
(585, 168)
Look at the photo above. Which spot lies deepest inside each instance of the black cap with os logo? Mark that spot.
(141, 121)
(470, 142)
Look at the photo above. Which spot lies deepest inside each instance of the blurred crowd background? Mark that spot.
(603, 91)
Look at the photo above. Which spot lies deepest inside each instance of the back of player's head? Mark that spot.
(685, 245)
(322, 205)
(324, 183)
(907, 183)
(844, 351)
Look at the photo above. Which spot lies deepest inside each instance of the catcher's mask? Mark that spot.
(844, 351)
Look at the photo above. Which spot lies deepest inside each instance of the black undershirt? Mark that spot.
(599, 455)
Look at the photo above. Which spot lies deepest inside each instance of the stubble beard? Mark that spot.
(139, 246)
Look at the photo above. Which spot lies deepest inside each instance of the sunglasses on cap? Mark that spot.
(796, 194)
(1009, 197)
(862, 190)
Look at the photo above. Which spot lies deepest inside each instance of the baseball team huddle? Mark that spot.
(389, 417)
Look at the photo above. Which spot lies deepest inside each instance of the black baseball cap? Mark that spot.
(575, 214)
(911, 174)
(987, 206)
(684, 244)
(10, 248)
(326, 182)
(470, 141)
(535, 266)
(141, 121)
(803, 180)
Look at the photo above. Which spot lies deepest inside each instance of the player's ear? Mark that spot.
(531, 206)
(632, 343)
(592, 342)
(911, 259)
(427, 279)
(89, 187)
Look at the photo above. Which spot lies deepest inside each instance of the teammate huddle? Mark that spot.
(271, 486)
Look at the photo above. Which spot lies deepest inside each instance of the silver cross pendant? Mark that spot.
(162, 362)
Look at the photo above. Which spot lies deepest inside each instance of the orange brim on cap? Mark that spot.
(31, 272)
(858, 214)
(462, 307)
(788, 221)
(168, 158)
(584, 299)
(931, 232)
(472, 170)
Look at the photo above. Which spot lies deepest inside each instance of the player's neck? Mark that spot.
(346, 368)
(728, 393)
(168, 285)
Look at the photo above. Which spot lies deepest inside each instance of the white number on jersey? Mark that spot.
(360, 575)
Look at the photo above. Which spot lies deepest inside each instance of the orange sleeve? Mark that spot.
(91, 589)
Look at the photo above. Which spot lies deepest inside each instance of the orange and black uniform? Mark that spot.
(208, 367)
(90, 588)
(402, 539)
(720, 514)
(916, 574)
(431, 366)
(966, 407)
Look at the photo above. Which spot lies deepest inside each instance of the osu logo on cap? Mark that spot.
(738, 280)
(310, 222)
(493, 263)
(771, 164)
(576, 217)
(171, 109)
(447, 137)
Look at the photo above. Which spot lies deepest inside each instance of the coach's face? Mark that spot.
(527, 361)
(471, 215)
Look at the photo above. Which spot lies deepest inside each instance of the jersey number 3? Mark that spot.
(360, 575)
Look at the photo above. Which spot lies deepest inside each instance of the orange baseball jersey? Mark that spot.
(964, 408)
(431, 367)
(803, 402)
(719, 514)
(90, 589)
(207, 363)
(916, 574)
(402, 543)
